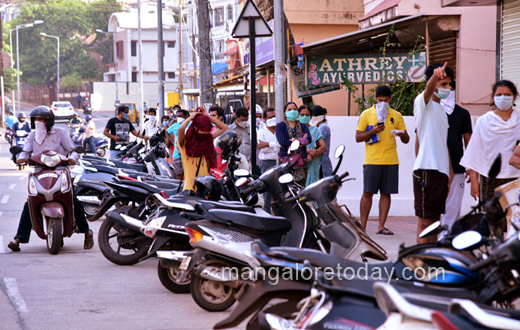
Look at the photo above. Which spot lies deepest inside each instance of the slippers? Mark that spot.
(14, 245)
(385, 231)
(89, 240)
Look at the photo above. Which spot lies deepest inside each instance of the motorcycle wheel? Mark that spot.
(210, 295)
(122, 246)
(54, 238)
(91, 209)
(285, 310)
(168, 278)
(101, 152)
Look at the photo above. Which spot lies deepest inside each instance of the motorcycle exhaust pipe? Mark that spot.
(125, 221)
(218, 274)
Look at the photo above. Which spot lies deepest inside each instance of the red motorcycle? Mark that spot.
(50, 197)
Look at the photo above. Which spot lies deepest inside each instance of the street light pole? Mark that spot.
(58, 39)
(115, 56)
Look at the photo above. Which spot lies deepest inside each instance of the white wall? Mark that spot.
(343, 132)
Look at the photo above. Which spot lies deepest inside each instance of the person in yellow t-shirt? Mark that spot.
(377, 127)
(196, 145)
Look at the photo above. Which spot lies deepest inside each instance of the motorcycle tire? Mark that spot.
(168, 278)
(210, 295)
(54, 235)
(101, 152)
(91, 209)
(285, 310)
(129, 246)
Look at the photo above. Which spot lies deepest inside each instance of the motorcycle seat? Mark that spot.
(168, 188)
(228, 205)
(124, 166)
(253, 221)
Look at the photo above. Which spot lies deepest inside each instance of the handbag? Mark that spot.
(298, 158)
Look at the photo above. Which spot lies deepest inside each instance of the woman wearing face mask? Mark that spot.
(315, 149)
(289, 130)
(496, 132)
(319, 120)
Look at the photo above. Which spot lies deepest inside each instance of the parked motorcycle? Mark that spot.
(50, 197)
(100, 143)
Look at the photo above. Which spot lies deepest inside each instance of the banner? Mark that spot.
(365, 68)
(301, 90)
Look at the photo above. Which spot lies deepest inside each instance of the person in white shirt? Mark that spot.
(267, 145)
(152, 125)
(90, 130)
(432, 173)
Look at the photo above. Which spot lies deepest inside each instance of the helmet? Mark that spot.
(229, 143)
(154, 140)
(45, 112)
(88, 117)
(21, 117)
(208, 187)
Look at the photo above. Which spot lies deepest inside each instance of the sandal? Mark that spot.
(14, 245)
(89, 240)
(385, 231)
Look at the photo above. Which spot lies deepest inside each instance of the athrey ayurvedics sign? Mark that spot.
(365, 68)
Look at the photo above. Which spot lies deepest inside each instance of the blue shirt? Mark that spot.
(174, 129)
(10, 121)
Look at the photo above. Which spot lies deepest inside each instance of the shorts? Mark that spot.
(177, 164)
(430, 188)
(383, 178)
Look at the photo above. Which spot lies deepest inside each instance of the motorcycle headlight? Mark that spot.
(32, 187)
(65, 186)
(50, 161)
(21, 133)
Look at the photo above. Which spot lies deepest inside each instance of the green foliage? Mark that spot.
(74, 22)
(403, 93)
(69, 83)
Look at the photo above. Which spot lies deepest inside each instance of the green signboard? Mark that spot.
(364, 68)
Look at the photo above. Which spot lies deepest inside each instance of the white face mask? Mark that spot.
(443, 93)
(503, 102)
(271, 122)
(40, 132)
(180, 120)
(242, 124)
(258, 121)
(382, 111)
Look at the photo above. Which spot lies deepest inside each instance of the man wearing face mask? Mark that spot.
(267, 145)
(47, 137)
(242, 128)
(432, 173)
(378, 127)
(259, 122)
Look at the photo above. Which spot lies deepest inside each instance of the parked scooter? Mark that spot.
(100, 143)
(50, 197)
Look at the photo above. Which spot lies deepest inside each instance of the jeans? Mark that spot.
(114, 153)
(267, 164)
(90, 142)
(25, 225)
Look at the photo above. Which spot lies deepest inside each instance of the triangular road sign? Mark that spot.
(241, 29)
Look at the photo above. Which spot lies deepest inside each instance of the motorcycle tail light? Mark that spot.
(153, 226)
(32, 187)
(194, 235)
(65, 186)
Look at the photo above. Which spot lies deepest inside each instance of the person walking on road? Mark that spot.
(79, 98)
(378, 127)
(118, 130)
(47, 137)
(432, 173)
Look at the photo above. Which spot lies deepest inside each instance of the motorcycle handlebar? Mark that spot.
(291, 165)
(291, 199)
(481, 264)
(343, 175)
(249, 189)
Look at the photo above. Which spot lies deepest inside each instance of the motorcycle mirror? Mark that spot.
(79, 149)
(339, 151)
(295, 145)
(241, 182)
(241, 172)
(433, 229)
(495, 168)
(466, 240)
(122, 148)
(286, 178)
(118, 146)
(15, 150)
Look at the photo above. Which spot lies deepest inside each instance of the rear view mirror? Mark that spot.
(241, 172)
(15, 150)
(495, 168)
(286, 178)
(295, 145)
(470, 239)
(339, 151)
(241, 182)
(433, 229)
(118, 146)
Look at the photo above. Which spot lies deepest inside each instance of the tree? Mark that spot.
(206, 73)
(74, 22)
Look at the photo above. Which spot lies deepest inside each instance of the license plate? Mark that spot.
(185, 263)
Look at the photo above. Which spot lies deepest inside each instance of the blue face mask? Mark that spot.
(305, 119)
(292, 115)
(165, 123)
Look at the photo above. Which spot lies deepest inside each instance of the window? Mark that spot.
(111, 77)
(134, 76)
(119, 50)
(133, 47)
(170, 44)
(171, 75)
(219, 16)
(230, 13)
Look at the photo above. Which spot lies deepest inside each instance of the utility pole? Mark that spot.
(279, 59)
(140, 50)
(160, 59)
(181, 77)
(206, 74)
(2, 71)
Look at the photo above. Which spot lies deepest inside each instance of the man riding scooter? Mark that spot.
(22, 124)
(45, 137)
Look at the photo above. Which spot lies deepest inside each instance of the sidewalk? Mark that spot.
(404, 229)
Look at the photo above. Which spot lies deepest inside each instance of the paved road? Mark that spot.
(80, 289)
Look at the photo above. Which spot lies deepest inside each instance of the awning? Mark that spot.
(219, 67)
(228, 81)
(230, 51)
(386, 4)
(453, 3)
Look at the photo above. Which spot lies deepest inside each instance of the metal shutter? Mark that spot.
(510, 52)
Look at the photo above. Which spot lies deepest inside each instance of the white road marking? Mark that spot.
(23, 176)
(5, 199)
(12, 186)
(1, 242)
(14, 294)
